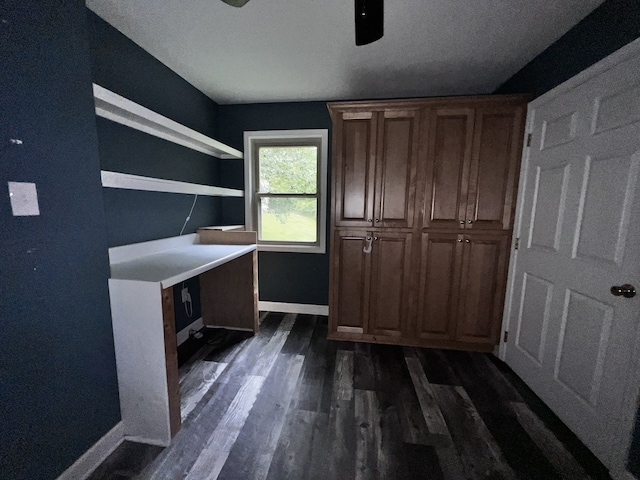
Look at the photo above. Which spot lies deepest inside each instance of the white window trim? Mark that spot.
(250, 181)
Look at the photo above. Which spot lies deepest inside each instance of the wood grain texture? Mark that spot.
(236, 283)
(210, 235)
(422, 168)
(171, 359)
(369, 437)
(292, 404)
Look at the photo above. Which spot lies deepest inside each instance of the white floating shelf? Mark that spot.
(114, 107)
(137, 182)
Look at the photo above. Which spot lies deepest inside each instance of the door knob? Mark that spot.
(626, 290)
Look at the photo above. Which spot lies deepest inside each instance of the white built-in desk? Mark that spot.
(140, 287)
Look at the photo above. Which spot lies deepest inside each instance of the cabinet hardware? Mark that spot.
(505, 337)
(369, 220)
(626, 291)
(461, 222)
(459, 240)
(367, 247)
(375, 238)
(470, 222)
(377, 220)
(467, 240)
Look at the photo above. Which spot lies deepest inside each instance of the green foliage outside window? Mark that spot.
(285, 170)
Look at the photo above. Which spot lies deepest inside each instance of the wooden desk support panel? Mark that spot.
(171, 360)
(229, 293)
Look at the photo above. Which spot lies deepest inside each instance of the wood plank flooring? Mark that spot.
(290, 404)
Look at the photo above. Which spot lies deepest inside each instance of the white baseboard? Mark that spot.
(183, 335)
(293, 308)
(97, 454)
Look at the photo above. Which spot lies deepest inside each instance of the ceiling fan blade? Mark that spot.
(369, 21)
(235, 3)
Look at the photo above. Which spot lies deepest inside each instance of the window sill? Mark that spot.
(292, 248)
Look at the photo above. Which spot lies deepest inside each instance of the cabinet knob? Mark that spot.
(375, 238)
(459, 240)
(461, 222)
(470, 222)
(369, 220)
(467, 241)
(377, 220)
(626, 291)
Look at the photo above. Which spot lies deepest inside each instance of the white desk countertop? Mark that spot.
(177, 264)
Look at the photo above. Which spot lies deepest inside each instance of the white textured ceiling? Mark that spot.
(298, 50)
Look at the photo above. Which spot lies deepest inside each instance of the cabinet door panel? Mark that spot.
(440, 259)
(354, 169)
(391, 263)
(495, 163)
(482, 287)
(396, 167)
(448, 157)
(350, 286)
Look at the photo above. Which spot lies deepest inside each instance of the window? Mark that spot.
(285, 189)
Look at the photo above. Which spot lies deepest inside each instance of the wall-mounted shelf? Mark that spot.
(116, 108)
(136, 182)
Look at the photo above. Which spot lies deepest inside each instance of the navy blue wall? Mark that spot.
(609, 27)
(58, 387)
(121, 66)
(283, 277)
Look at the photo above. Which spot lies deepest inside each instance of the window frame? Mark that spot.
(255, 139)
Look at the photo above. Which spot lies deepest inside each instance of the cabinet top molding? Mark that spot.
(413, 103)
(119, 109)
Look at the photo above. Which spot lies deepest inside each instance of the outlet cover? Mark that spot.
(24, 199)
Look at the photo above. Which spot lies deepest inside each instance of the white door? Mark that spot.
(570, 339)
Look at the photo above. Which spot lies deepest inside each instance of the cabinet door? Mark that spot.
(396, 168)
(350, 281)
(354, 168)
(482, 287)
(438, 297)
(448, 159)
(495, 162)
(390, 271)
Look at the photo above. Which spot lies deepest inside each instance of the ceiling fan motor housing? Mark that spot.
(369, 16)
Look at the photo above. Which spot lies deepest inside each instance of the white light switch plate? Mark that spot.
(24, 199)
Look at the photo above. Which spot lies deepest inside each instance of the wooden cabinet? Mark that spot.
(375, 163)
(462, 281)
(373, 271)
(439, 287)
(482, 285)
(448, 159)
(423, 203)
(472, 164)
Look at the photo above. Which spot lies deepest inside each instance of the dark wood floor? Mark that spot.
(290, 404)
